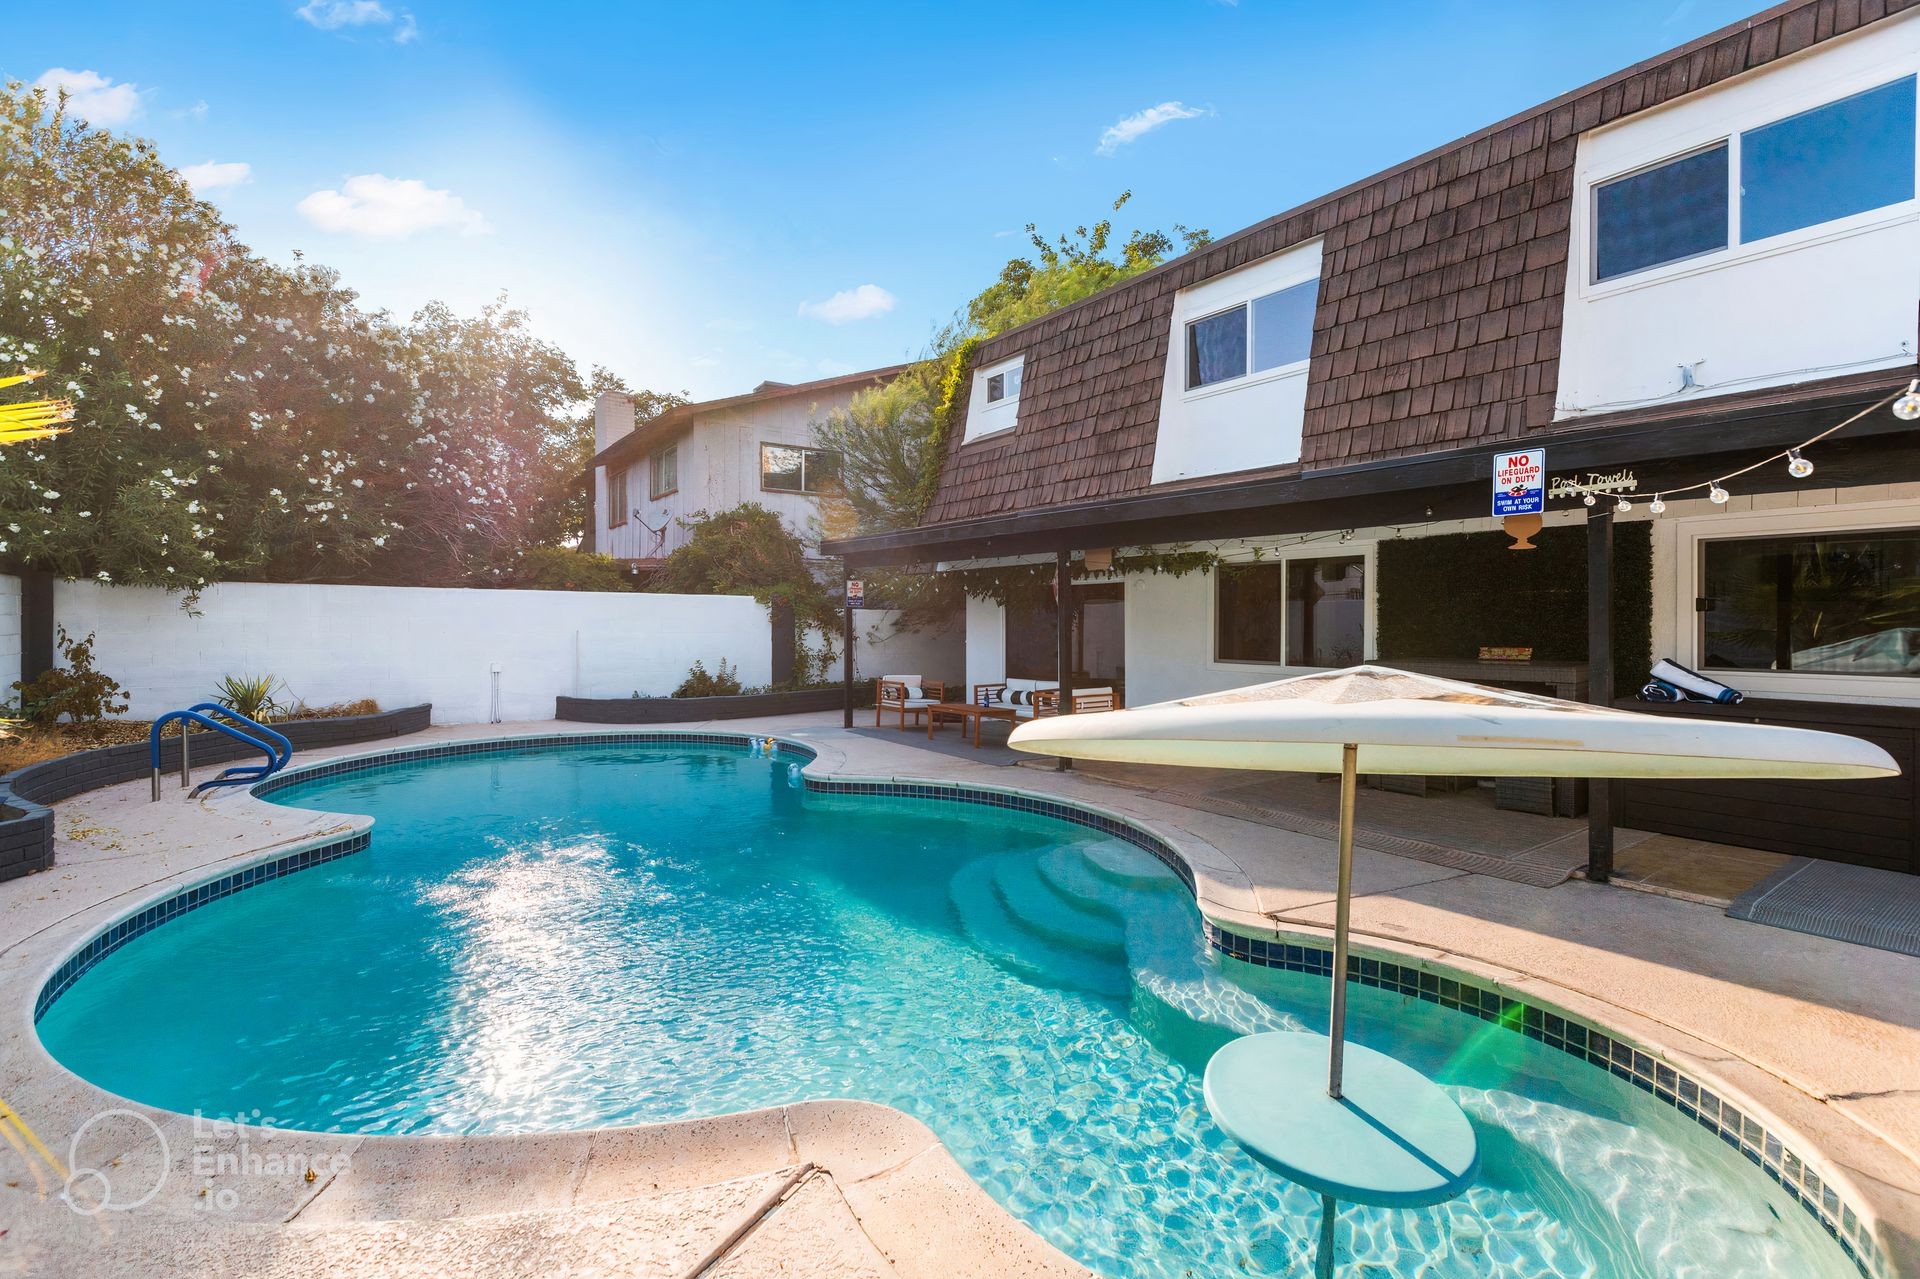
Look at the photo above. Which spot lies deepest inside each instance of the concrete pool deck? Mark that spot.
(1820, 1039)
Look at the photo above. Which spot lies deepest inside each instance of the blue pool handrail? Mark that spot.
(284, 748)
(277, 749)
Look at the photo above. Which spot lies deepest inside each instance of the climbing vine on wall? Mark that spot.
(1006, 583)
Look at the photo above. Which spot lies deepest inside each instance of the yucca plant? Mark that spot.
(32, 419)
(249, 695)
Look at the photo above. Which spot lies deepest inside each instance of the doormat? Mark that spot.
(1879, 908)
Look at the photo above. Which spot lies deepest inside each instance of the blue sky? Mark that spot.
(704, 195)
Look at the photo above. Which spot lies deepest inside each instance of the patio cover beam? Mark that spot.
(1666, 450)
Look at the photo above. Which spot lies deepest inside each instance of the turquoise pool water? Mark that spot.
(556, 939)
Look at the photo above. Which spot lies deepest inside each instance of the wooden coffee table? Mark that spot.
(964, 711)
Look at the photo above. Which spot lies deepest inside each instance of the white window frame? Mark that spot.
(1689, 579)
(654, 492)
(618, 507)
(1329, 549)
(806, 452)
(1674, 143)
(999, 416)
(1253, 376)
(1205, 303)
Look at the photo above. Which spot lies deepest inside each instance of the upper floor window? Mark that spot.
(1004, 385)
(1272, 331)
(1829, 163)
(1845, 157)
(616, 496)
(788, 468)
(665, 468)
(994, 405)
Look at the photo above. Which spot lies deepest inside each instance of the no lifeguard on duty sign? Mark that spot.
(1520, 482)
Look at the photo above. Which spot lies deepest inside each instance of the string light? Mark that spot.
(1905, 405)
(1622, 506)
(1588, 498)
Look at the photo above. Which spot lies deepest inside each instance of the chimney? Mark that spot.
(612, 418)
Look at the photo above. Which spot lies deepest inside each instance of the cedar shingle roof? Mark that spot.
(1439, 316)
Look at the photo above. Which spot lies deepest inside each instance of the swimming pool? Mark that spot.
(558, 938)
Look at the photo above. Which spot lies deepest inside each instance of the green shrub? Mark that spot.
(557, 568)
(722, 681)
(249, 695)
(74, 690)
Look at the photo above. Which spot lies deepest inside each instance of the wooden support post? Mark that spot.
(1063, 636)
(37, 626)
(1599, 681)
(846, 653)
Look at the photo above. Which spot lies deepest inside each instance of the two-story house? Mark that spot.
(711, 457)
(1665, 280)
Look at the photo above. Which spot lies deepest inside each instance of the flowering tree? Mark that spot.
(247, 420)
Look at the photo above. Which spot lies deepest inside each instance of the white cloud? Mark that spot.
(213, 175)
(332, 15)
(1141, 123)
(373, 204)
(848, 305)
(92, 96)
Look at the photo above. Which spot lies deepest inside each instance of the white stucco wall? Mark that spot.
(1828, 299)
(1244, 424)
(9, 635)
(986, 631)
(405, 645)
(934, 653)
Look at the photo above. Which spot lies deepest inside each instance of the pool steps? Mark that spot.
(1032, 901)
(1098, 919)
(1013, 945)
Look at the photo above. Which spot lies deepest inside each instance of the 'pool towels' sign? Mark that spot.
(1520, 482)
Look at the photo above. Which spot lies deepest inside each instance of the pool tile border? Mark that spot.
(189, 899)
(1597, 1047)
(1591, 1044)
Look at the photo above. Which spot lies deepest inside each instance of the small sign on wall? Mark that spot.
(1505, 653)
(856, 593)
(1520, 482)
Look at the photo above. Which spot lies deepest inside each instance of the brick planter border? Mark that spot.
(26, 823)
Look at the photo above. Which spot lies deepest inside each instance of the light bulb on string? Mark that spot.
(1622, 506)
(1798, 467)
(1907, 407)
(1588, 498)
(1717, 495)
(1657, 506)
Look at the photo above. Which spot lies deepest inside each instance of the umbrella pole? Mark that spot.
(1342, 906)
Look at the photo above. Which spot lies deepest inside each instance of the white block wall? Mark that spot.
(9, 635)
(406, 645)
(934, 653)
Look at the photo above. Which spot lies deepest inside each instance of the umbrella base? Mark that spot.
(1392, 1139)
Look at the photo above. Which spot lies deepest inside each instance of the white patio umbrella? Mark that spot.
(1382, 1133)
